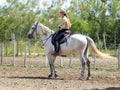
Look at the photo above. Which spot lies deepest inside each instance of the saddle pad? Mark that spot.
(64, 40)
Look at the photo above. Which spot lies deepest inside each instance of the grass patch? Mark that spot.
(64, 67)
(5, 65)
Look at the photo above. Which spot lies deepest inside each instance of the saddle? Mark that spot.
(64, 40)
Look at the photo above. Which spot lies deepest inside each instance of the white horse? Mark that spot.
(77, 42)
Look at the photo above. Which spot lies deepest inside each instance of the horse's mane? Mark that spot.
(46, 28)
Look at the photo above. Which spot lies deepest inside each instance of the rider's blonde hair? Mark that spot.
(65, 14)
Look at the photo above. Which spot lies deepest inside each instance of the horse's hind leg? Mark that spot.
(83, 67)
(87, 62)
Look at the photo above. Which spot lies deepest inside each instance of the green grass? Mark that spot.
(22, 44)
(65, 67)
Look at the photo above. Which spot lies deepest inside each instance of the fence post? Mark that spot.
(70, 59)
(95, 61)
(13, 41)
(2, 52)
(61, 61)
(25, 55)
(119, 56)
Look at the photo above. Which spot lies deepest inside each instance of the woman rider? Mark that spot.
(63, 30)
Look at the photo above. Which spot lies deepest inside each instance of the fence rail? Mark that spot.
(19, 48)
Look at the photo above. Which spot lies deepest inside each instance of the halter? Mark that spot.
(34, 29)
(47, 39)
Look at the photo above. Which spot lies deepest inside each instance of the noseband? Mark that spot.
(34, 29)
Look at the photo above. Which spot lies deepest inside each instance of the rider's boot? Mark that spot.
(56, 52)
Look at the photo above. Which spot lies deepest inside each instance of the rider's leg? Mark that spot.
(58, 37)
(56, 45)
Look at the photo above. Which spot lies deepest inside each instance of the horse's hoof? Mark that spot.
(56, 75)
(50, 76)
(88, 78)
(80, 79)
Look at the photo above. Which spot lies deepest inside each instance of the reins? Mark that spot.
(47, 39)
(35, 28)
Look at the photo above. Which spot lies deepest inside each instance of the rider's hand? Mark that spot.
(59, 26)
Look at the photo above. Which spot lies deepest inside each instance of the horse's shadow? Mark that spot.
(31, 77)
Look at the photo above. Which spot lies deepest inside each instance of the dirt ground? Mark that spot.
(35, 78)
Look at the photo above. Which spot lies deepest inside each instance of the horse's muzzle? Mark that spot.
(30, 36)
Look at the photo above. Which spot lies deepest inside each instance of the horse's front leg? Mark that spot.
(52, 68)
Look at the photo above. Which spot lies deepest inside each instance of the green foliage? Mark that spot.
(18, 18)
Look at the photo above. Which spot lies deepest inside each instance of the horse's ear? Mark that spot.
(44, 32)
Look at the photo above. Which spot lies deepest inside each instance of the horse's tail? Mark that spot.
(94, 49)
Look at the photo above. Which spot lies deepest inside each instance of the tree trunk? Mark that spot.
(104, 40)
(98, 39)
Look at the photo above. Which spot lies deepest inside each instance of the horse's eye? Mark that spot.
(32, 27)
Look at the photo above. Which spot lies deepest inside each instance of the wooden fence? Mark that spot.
(27, 51)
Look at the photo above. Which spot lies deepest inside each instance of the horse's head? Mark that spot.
(33, 30)
(37, 28)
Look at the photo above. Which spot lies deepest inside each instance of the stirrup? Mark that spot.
(56, 53)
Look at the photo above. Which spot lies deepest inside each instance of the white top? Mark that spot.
(65, 23)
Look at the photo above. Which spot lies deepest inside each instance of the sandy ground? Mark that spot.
(35, 78)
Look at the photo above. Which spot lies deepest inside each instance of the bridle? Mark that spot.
(34, 29)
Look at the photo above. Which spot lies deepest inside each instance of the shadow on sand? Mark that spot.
(109, 88)
(31, 77)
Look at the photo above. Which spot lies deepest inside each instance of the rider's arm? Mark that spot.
(63, 24)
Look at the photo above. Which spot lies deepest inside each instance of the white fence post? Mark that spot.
(119, 56)
(25, 55)
(95, 61)
(14, 51)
